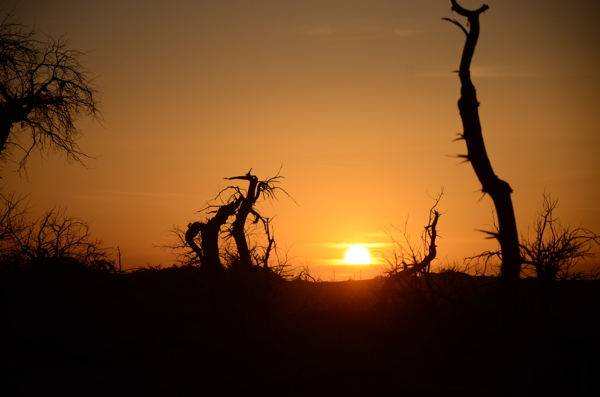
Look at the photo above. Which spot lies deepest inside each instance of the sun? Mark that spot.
(357, 255)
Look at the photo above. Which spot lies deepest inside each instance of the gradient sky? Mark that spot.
(357, 101)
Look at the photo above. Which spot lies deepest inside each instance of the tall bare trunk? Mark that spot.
(239, 224)
(499, 190)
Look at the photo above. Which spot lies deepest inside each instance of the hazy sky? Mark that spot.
(357, 101)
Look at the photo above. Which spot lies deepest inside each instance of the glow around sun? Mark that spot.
(357, 255)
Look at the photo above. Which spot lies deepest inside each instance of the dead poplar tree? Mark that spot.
(44, 89)
(238, 226)
(209, 231)
(419, 263)
(203, 237)
(256, 190)
(498, 189)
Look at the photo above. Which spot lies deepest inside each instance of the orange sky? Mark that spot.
(357, 101)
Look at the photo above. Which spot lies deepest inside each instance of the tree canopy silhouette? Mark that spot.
(43, 89)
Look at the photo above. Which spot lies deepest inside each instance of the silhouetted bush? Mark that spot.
(553, 250)
(54, 240)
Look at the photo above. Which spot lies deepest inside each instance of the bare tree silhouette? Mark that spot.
(54, 239)
(409, 261)
(554, 249)
(499, 190)
(249, 198)
(43, 89)
(247, 248)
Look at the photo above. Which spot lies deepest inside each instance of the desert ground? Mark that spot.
(178, 332)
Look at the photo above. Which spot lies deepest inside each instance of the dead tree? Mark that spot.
(209, 232)
(555, 249)
(43, 89)
(240, 205)
(499, 190)
(238, 227)
(53, 239)
(429, 239)
(255, 190)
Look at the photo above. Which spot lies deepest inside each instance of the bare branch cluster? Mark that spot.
(12, 215)
(552, 250)
(408, 279)
(44, 89)
(408, 262)
(405, 254)
(52, 239)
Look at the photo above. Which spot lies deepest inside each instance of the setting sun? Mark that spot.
(357, 255)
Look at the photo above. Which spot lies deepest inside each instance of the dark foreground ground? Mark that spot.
(172, 333)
